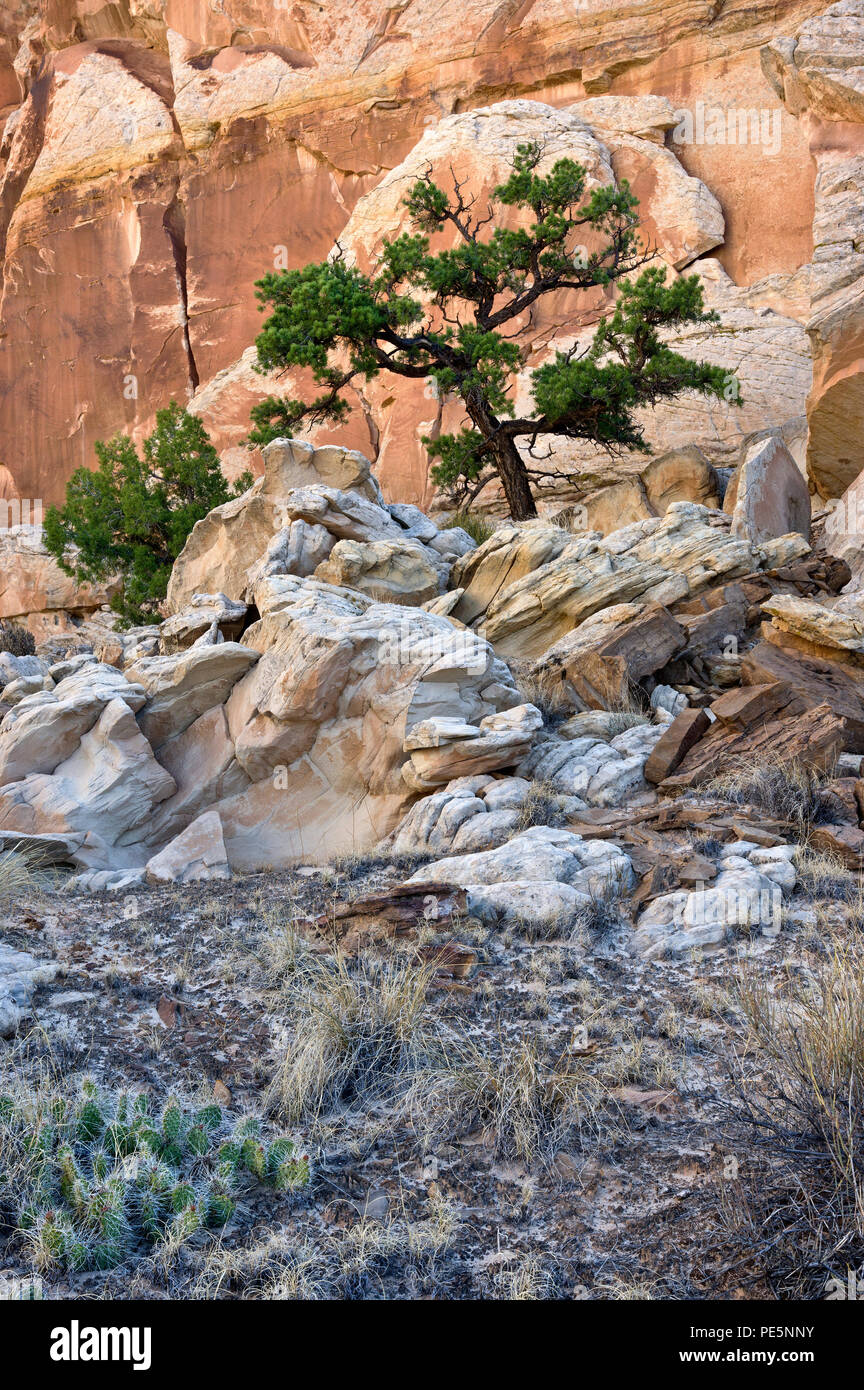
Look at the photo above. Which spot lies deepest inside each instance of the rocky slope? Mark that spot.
(519, 903)
(156, 157)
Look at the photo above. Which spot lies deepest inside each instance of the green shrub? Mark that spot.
(128, 519)
(477, 527)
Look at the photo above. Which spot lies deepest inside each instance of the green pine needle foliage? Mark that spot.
(449, 317)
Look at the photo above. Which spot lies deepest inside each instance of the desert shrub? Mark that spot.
(787, 791)
(94, 1178)
(802, 1117)
(128, 519)
(624, 718)
(18, 641)
(529, 1278)
(358, 866)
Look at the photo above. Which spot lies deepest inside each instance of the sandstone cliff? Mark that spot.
(157, 156)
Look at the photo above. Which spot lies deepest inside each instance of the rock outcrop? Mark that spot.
(294, 521)
(747, 893)
(309, 736)
(818, 76)
(661, 561)
(542, 875)
(301, 717)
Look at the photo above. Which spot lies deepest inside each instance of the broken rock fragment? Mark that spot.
(768, 494)
(197, 853)
(20, 976)
(499, 740)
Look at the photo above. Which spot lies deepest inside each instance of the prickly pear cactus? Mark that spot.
(107, 1177)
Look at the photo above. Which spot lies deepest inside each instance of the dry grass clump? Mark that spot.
(598, 917)
(630, 1289)
(787, 791)
(22, 874)
(351, 867)
(624, 719)
(18, 641)
(527, 1102)
(352, 1029)
(825, 876)
(541, 927)
(802, 1114)
(542, 806)
(627, 710)
(602, 914)
(546, 691)
(530, 1279)
(370, 1260)
(285, 954)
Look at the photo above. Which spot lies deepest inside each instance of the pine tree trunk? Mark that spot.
(514, 479)
(508, 460)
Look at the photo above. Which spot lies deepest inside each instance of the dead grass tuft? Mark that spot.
(351, 1030)
(542, 806)
(787, 791)
(23, 873)
(18, 641)
(527, 1102)
(546, 692)
(825, 876)
(802, 1116)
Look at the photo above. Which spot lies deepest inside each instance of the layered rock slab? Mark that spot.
(107, 786)
(661, 561)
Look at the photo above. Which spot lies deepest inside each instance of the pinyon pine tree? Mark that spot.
(452, 316)
(128, 519)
